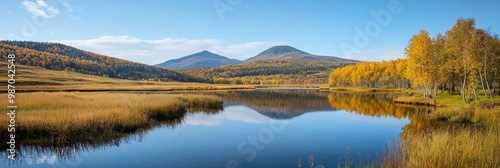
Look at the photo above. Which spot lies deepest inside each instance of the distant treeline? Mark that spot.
(55, 56)
(268, 72)
(466, 59)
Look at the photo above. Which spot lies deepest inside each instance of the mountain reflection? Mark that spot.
(278, 104)
(232, 112)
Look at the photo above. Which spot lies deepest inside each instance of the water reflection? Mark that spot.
(243, 113)
(69, 153)
(43, 151)
(232, 112)
(278, 104)
(381, 105)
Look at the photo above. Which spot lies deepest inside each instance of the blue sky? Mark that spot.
(155, 31)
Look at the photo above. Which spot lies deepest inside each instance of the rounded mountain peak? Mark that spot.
(281, 50)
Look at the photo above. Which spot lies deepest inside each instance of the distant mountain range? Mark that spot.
(199, 60)
(207, 59)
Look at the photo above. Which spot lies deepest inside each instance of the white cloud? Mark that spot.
(161, 50)
(69, 7)
(41, 8)
(379, 54)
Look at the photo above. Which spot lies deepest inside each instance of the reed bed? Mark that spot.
(472, 139)
(60, 117)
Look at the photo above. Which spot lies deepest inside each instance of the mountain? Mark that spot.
(284, 71)
(288, 52)
(56, 56)
(199, 60)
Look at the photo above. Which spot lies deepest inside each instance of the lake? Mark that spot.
(259, 128)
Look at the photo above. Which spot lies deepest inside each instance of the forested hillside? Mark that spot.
(466, 60)
(268, 72)
(55, 56)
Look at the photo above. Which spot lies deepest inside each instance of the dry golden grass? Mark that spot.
(65, 116)
(475, 145)
(414, 100)
(29, 78)
(485, 113)
(463, 147)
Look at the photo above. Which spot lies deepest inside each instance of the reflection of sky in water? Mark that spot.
(212, 140)
(231, 113)
(49, 159)
(310, 126)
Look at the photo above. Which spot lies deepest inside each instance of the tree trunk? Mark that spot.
(488, 94)
(482, 83)
(465, 80)
(487, 83)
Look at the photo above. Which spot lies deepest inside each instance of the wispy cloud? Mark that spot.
(41, 8)
(161, 50)
(69, 7)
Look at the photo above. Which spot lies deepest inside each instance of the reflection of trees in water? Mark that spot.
(31, 151)
(382, 105)
(277, 98)
(368, 104)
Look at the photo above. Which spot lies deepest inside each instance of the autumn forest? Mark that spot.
(464, 60)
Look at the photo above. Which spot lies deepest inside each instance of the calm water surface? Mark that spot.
(262, 128)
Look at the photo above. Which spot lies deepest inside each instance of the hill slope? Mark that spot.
(199, 60)
(286, 71)
(288, 52)
(55, 56)
(32, 78)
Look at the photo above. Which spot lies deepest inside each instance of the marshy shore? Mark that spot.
(64, 117)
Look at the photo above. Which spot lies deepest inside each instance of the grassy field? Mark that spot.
(460, 147)
(29, 78)
(63, 117)
(470, 137)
